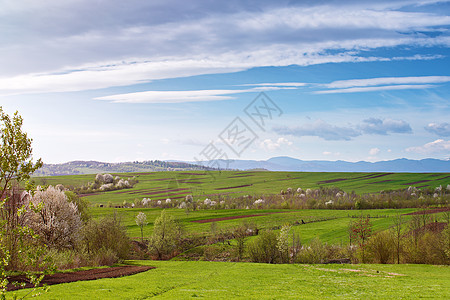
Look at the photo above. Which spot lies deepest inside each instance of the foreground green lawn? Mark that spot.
(214, 280)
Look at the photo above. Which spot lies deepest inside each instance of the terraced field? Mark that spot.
(176, 185)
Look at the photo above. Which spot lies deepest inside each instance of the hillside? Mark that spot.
(94, 167)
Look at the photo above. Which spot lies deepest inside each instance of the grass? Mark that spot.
(333, 230)
(215, 280)
(176, 185)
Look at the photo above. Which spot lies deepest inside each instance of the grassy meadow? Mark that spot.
(218, 280)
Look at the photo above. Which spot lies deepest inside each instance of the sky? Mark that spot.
(132, 80)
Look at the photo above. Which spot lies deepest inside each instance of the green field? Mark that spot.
(333, 230)
(215, 280)
(176, 185)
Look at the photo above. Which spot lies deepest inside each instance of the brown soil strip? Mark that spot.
(197, 174)
(238, 217)
(234, 187)
(429, 211)
(382, 181)
(236, 176)
(416, 182)
(332, 180)
(93, 274)
(226, 218)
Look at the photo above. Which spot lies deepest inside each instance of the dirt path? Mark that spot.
(93, 274)
(429, 211)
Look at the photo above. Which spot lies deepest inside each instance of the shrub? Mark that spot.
(263, 249)
(315, 253)
(381, 247)
(165, 236)
(106, 236)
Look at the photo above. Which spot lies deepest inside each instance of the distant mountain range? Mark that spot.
(94, 167)
(285, 163)
(282, 163)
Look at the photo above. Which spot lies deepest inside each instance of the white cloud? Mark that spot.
(180, 96)
(320, 129)
(438, 146)
(84, 45)
(440, 129)
(374, 151)
(384, 126)
(270, 145)
(282, 84)
(376, 89)
(387, 81)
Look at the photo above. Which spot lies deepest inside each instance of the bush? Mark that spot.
(263, 249)
(315, 253)
(106, 237)
(381, 247)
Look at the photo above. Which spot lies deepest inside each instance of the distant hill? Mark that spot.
(94, 167)
(285, 163)
(282, 163)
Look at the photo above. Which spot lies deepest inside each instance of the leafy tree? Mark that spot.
(263, 248)
(141, 221)
(16, 166)
(16, 162)
(165, 235)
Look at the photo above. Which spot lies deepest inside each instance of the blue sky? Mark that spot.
(140, 80)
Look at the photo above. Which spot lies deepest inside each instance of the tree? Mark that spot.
(397, 233)
(361, 230)
(16, 166)
(57, 222)
(141, 221)
(283, 243)
(165, 235)
(16, 162)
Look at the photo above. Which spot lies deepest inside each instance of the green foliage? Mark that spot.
(381, 247)
(81, 203)
(165, 236)
(315, 253)
(18, 249)
(106, 238)
(263, 248)
(15, 152)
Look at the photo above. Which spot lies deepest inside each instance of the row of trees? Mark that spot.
(419, 240)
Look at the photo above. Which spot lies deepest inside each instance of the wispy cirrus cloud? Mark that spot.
(382, 84)
(182, 96)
